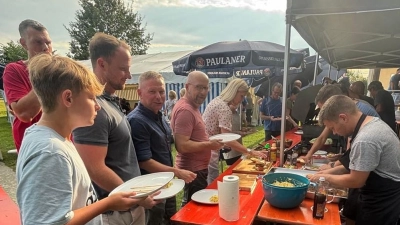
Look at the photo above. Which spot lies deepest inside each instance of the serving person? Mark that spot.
(191, 140)
(53, 184)
(324, 94)
(374, 161)
(384, 103)
(218, 119)
(152, 136)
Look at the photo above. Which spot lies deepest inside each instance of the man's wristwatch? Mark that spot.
(248, 151)
(332, 164)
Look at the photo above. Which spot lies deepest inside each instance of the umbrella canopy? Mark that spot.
(244, 59)
(350, 34)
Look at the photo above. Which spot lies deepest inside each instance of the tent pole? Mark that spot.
(329, 73)
(315, 68)
(337, 74)
(285, 76)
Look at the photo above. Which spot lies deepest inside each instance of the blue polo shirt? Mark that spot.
(151, 136)
(272, 107)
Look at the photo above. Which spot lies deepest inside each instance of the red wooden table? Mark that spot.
(196, 213)
(9, 211)
(301, 215)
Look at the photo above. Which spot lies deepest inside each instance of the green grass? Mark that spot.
(6, 139)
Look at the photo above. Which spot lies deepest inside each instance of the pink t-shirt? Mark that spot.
(216, 116)
(186, 120)
(17, 85)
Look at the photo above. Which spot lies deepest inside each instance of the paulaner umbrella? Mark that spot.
(244, 59)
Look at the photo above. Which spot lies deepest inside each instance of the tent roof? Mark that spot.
(350, 33)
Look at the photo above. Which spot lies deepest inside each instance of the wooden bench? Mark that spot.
(9, 211)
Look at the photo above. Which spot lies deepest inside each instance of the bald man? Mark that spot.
(191, 140)
(358, 87)
(297, 83)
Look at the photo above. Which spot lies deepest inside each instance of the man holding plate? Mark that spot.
(106, 147)
(191, 140)
(152, 138)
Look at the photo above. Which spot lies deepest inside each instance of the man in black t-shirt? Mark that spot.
(383, 102)
(394, 81)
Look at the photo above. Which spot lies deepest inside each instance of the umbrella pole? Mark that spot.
(284, 95)
(315, 68)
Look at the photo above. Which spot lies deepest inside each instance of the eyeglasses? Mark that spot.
(201, 88)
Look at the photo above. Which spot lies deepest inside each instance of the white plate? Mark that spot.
(299, 132)
(314, 165)
(320, 152)
(176, 186)
(203, 196)
(226, 137)
(150, 182)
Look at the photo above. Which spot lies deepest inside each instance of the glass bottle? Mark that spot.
(320, 198)
(267, 148)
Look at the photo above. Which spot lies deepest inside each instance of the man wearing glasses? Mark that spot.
(191, 140)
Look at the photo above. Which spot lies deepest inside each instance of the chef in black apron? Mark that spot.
(377, 202)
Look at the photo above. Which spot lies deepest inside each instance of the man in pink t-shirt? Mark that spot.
(18, 89)
(191, 140)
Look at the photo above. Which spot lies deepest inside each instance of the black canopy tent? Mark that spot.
(350, 33)
(346, 33)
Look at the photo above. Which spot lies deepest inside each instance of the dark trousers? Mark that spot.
(231, 161)
(196, 185)
(268, 134)
(249, 114)
(161, 213)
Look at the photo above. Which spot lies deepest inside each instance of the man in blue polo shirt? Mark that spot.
(151, 136)
(271, 112)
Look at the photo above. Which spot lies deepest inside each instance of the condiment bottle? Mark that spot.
(272, 154)
(320, 199)
(267, 148)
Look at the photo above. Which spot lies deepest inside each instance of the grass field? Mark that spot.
(6, 142)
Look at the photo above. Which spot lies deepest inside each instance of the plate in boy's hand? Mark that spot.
(145, 185)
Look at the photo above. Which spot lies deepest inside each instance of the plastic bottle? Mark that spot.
(320, 199)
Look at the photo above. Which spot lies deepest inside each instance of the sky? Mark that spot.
(176, 24)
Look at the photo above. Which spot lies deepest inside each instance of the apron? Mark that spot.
(351, 204)
(377, 202)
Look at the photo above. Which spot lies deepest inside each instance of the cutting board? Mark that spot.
(247, 166)
(247, 182)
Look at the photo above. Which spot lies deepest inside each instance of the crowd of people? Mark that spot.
(78, 141)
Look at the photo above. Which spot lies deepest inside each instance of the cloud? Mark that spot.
(263, 5)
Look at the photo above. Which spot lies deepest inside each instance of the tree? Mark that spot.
(11, 52)
(111, 17)
(356, 76)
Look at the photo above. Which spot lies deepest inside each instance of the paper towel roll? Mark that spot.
(228, 198)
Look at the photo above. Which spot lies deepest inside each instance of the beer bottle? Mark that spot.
(320, 199)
